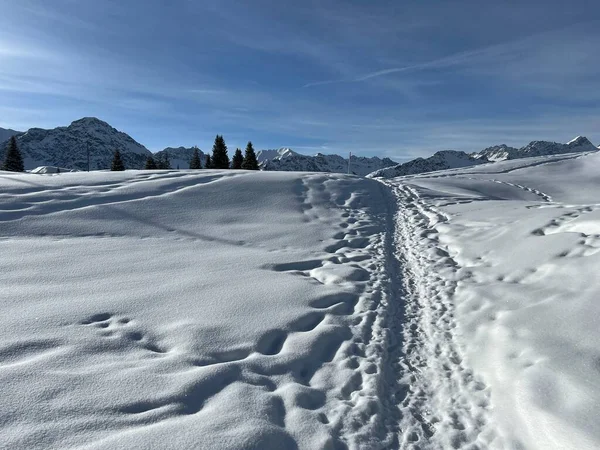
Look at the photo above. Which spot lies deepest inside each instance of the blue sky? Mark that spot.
(388, 78)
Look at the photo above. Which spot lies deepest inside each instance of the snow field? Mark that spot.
(189, 310)
(518, 244)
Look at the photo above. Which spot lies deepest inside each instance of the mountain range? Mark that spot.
(452, 159)
(68, 147)
(286, 159)
(6, 134)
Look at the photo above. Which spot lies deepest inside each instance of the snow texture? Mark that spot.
(260, 310)
(190, 309)
(500, 266)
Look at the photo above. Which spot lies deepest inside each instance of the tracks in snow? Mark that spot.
(442, 404)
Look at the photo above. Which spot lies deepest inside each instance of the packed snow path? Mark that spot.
(499, 293)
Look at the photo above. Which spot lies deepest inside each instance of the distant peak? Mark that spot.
(579, 140)
(87, 121)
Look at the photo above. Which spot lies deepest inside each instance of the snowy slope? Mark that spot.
(67, 146)
(500, 273)
(535, 148)
(180, 310)
(291, 161)
(445, 159)
(6, 134)
(180, 156)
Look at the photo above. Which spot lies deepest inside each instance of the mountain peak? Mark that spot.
(89, 121)
(579, 141)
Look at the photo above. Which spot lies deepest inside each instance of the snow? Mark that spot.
(510, 253)
(188, 309)
(265, 310)
(51, 169)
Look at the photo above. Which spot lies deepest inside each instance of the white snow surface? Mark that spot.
(274, 310)
(190, 309)
(501, 266)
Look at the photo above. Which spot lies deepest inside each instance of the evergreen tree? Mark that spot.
(117, 162)
(220, 159)
(236, 161)
(250, 162)
(58, 170)
(13, 161)
(208, 164)
(195, 161)
(150, 164)
(164, 162)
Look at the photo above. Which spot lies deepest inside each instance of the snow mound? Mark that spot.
(51, 169)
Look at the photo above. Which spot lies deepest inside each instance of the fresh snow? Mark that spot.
(269, 310)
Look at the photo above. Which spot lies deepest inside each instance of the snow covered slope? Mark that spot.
(446, 159)
(500, 271)
(6, 134)
(192, 309)
(535, 148)
(286, 160)
(180, 156)
(67, 146)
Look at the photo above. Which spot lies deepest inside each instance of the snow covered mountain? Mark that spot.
(180, 156)
(6, 134)
(445, 159)
(290, 161)
(497, 153)
(281, 153)
(536, 148)
(452, 159)
(68, 146)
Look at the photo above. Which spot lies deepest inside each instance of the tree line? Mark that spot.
(13, 161)
(218, 160)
